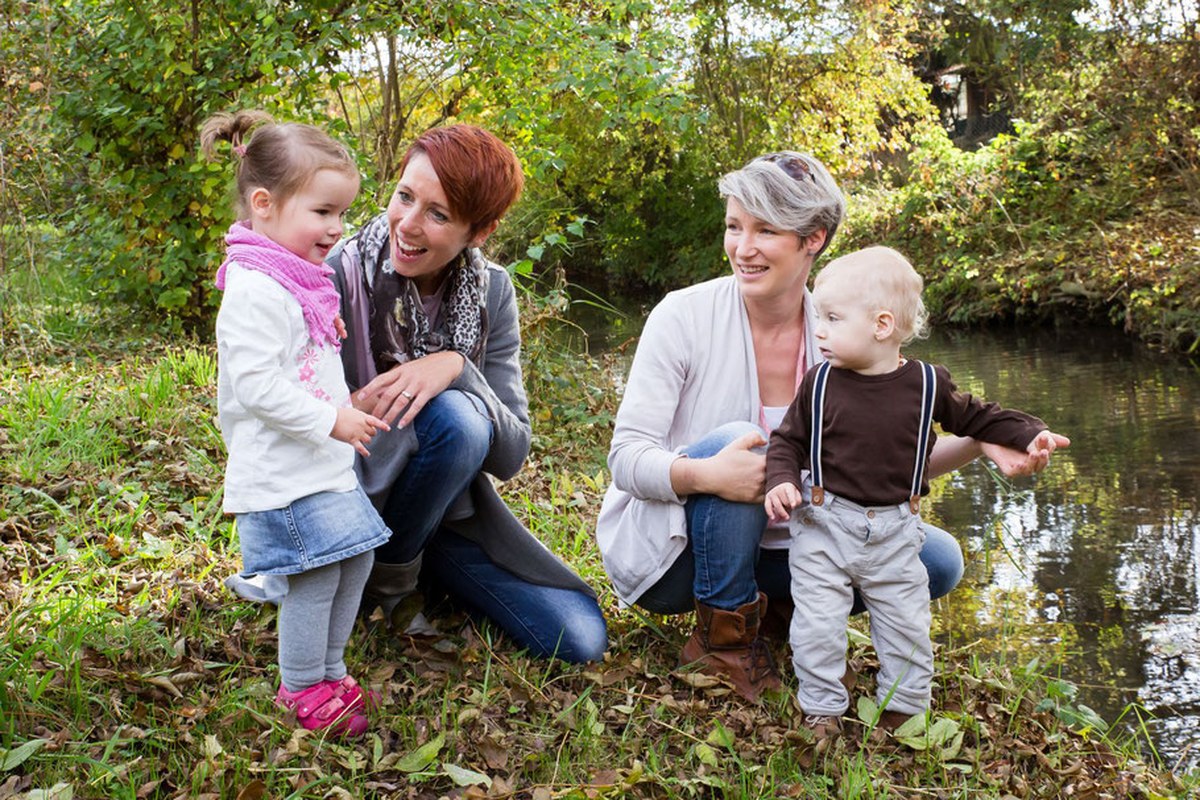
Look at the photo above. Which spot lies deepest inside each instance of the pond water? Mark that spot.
(1093, 566)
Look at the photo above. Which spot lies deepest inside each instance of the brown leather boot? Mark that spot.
(727, 643)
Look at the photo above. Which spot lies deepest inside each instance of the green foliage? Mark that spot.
(1080, 212)
(625, 112)
(999, 47)
(762, 76)
(147, 218)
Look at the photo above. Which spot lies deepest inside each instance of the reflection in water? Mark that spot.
(1093, 564)
(1091, 567)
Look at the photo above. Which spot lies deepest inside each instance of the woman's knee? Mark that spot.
(457, 421)
(943, 560)
(571, 630)
(584, 634)
(716, 439)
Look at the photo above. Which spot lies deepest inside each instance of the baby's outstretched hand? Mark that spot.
(1014, 463)
(339, 326)
(1043, 445)
(356, 428)
(781, 500)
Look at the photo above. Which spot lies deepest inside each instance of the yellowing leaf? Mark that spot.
(465, 777)
(721, 736)
(210, 747)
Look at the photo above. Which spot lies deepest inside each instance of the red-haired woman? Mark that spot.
(433, 347)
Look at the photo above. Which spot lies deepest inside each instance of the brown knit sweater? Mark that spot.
(870, 431)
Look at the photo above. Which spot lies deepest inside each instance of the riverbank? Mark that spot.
(126, 669)
(1035, 228)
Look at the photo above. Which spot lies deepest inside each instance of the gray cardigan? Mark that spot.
(498, 383)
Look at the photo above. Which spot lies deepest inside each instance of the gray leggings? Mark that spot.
(316, 618)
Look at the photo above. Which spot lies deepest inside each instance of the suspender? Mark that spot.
(928, 393)
(816, 435)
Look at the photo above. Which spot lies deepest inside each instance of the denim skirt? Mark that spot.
(311, 532)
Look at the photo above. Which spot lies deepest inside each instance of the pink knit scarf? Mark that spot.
(307, 282)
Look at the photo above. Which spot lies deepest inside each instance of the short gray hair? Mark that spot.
(792, 191)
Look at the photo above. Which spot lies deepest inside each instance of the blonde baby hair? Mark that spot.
(886, 281)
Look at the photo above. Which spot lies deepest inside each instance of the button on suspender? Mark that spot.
(816, 433)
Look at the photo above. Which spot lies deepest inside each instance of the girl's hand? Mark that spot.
(356, 428)
(410, 386)
(781, 500)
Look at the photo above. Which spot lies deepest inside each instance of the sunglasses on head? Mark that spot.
(796, 168)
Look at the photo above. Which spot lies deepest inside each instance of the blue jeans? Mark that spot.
(545, 620)
(453, 435)
(724, 567)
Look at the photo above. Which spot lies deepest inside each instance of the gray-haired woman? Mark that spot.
(682, 524)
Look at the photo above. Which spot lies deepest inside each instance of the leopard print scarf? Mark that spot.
(400, 330)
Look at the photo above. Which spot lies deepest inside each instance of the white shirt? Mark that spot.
(277, 395)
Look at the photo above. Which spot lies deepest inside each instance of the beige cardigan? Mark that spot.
(693, 371)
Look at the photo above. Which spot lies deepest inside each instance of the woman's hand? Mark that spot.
(1034, 458)
(357, 428)
(410, 386)
(735, 473)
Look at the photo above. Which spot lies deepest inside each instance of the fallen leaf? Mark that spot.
(11, 759)
(465, 777)
(147, 789)
(423, 756)
(698, 679)
(254, 790)
(163, 682)
(494, 753)
(211, 748)
(59, 791)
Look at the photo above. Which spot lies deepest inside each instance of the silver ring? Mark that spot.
(406, 393)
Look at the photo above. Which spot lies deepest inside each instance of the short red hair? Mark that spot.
(480, 174)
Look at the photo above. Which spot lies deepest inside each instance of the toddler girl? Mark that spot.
(285, 411)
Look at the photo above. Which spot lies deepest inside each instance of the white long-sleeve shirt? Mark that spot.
(277, 399)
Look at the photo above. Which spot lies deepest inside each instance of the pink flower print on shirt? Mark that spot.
(307, 361)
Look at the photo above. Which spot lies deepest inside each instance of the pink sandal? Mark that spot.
(350, 691)
(329, 704)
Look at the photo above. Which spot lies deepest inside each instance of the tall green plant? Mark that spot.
(1080, 211)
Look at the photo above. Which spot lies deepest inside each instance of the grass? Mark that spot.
(128, 671)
